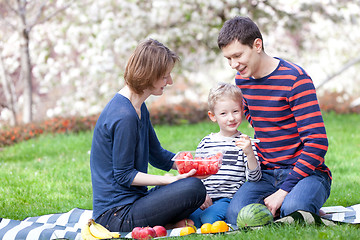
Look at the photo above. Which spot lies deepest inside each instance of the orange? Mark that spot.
(206, 228)
(219, 226)
(186, 231)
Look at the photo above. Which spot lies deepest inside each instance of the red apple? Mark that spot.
(147, 233)
(160, 231)
(135, 233)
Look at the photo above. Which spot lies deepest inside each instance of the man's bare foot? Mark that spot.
(180, 224)
(322, 213)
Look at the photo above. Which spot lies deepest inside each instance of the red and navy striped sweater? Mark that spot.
(284, 112)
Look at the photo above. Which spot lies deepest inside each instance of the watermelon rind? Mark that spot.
(254, 215)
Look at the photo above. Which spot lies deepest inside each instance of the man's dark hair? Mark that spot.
(242, 29)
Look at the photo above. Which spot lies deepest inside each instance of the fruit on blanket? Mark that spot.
(100, 232)
(219, 226)
(147, 233)
(85, 233)
(160, 231)
(187, 230)
(254, 215)
(135, 233)
(144, 233)
(206, 228)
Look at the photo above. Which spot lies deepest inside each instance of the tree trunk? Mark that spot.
(26, 77)
(8, 92)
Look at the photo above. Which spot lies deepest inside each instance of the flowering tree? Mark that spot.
(78, 56)
(21, 17)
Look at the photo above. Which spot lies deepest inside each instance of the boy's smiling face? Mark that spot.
(228, 114)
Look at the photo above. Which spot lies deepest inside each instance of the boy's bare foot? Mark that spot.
(180, 224)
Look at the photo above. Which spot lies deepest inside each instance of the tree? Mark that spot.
(28, 15)
(78, 61)
(9, 92)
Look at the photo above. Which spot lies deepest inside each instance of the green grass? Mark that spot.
(51, 174)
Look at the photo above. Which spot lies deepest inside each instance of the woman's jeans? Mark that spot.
(309, 194)
(162, 205)
(216, 212)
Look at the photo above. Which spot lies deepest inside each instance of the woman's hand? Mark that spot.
(144, 179)
(208, 202)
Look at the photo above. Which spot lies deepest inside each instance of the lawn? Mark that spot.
(51, 174)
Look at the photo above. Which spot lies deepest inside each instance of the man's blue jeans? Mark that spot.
(309, 194)
(215, 212)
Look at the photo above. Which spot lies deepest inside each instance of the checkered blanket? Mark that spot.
(68, 225)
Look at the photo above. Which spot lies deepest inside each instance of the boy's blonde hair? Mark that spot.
(224, 90)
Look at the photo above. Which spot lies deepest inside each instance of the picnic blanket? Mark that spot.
(68, 225)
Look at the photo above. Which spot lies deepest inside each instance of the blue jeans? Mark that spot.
(309, 194)
(162, 205)
(215, 212)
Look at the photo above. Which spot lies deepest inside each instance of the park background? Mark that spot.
(62, 60)
(65, 58)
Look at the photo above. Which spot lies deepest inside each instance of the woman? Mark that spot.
(124, 142)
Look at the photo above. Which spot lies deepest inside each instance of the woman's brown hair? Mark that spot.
(149, 62)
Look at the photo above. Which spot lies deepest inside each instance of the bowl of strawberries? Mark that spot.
(205, 163)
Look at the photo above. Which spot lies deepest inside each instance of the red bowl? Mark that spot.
(205, 163)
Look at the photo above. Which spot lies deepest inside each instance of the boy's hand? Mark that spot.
(208, 202)
(244, 143)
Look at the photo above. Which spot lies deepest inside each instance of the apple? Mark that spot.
(135, 233)
(147, 233)
(160, 231)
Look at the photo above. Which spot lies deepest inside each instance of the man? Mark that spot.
(281, 105)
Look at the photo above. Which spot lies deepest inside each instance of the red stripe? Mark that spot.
(282, 68)
(278, 149)
(309, 115)
(279, 159)
(266, 87)
(304, 105)
(268, 109)
(291, 77)
(261, 97)
(310, 126)
(267, 129)
(296, 67)
(301, 82)
(305, 163)
(319, 146)
(272, 119)
(280, 138)
(300, 172)
(320, 159)
(312, 136)
(299, 95)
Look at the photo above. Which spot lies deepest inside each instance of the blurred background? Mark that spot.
(67, 58)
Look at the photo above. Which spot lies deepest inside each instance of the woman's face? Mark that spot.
(160, 84)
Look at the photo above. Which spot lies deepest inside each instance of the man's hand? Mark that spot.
(274, 201)
(208, 202)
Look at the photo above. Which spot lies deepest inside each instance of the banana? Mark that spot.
(100, 232)
(85, 233)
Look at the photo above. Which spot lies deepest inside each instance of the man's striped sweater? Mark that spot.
(284, 112)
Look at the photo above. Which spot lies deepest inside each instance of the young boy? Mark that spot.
(239, 161)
